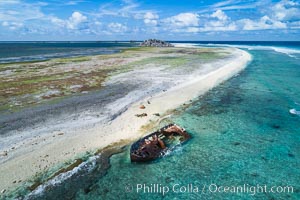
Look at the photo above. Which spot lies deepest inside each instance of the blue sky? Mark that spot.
(138, 20)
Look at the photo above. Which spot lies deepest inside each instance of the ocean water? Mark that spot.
(36, 51)
(243, 136)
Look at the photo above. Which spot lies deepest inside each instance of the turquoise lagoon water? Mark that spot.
(242, 135)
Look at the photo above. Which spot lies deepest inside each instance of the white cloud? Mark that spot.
(190, 23)
(150, 18)
(192, 30)
(229, 27)
(5, 2)
(264, 22)
(286, 10)
(126, 9)
(5, 23)
(219, 14)
(295, 25)
(117, 27)
(27, 18)
(18, 11)
(58, 22)
(183, 20)
(74, 2)
(76, 20)
(219, 21)
(22, 17)
(231, 5)
(223, 3)
(150, 15)
(12, 25)
(97, 23)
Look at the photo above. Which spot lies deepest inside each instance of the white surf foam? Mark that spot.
(289, 51)
(284, 50)
(185, 45)
(295, 112)
(87, 166)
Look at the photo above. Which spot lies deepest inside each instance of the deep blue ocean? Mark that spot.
(245, 141)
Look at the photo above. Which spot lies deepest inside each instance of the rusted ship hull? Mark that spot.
(155, 145)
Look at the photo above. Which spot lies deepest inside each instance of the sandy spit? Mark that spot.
(57, 147)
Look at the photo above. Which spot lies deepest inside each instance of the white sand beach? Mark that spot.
(46, 147)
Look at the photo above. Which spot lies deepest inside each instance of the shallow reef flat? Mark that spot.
(30, 83)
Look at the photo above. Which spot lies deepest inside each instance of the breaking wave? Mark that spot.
(284, 50)
(86, 166)
(295, 112)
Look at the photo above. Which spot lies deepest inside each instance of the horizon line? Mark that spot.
(147, 39)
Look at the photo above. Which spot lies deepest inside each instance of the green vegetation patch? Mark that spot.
(30, 83)
(73, 59)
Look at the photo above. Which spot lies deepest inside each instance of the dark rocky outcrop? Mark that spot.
(155, 43)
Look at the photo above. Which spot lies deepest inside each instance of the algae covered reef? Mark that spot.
(27, 84)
